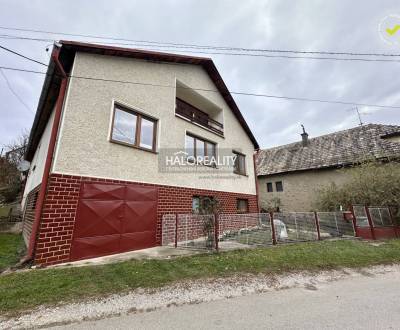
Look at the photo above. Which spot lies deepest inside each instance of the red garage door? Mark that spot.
(114, 218)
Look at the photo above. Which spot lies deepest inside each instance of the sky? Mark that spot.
(305, 25)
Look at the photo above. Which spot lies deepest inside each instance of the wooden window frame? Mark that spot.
(239, 154)
(276, 186)
(205, 141)
(139, 115)
(237, 205)
(272, 187)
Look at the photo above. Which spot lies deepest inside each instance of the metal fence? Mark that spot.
(241, 230)
(189, 231)
(295, 227)
(334, 224)
(376, 222)
(380, 216)
(230, 231)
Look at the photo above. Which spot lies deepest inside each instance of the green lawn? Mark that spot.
(11, 248)
(25, 290)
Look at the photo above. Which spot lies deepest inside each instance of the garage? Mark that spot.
(114, 218)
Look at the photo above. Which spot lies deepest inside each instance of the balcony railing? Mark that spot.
(197, 116)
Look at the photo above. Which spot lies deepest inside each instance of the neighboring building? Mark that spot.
(294, 172)
(123, 110)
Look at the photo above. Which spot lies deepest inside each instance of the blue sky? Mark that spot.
(334, 25)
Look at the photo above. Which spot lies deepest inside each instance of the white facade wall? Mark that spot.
(84, 148)
(37, 165)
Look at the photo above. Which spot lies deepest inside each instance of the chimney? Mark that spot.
(304, 137)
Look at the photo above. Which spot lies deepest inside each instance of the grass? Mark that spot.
(25, 290)
(11, 247)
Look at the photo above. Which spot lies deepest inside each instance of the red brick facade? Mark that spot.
(54, 240)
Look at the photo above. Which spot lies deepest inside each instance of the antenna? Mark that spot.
(359, 116)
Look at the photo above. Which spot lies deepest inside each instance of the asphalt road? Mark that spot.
(353, 303)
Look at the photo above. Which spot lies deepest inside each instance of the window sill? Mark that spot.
(134, 147)
(241, 174)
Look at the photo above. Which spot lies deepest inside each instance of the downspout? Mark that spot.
(49, 157)
(255, 154)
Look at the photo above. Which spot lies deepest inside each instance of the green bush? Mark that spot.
(371, 183)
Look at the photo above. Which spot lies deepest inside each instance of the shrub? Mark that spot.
(371, 183)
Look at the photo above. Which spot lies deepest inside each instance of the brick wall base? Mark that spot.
(61, 202)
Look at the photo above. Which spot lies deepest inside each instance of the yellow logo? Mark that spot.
(389, 28)
(394, 30)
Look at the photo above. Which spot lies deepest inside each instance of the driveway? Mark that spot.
(364, 302)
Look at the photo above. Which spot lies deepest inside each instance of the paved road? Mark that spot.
(358, 303)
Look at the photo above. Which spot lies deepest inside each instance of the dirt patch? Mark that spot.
(189, 292)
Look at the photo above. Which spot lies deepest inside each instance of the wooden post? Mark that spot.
(176, 230)
(271, 215)
(370, 222)
(216, 230)
(317, 225)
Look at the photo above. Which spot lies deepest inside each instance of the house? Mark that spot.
(109, 124)
(290, 175)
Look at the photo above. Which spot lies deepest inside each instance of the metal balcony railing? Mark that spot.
(197, 116)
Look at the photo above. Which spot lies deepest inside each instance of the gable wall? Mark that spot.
(84, 149)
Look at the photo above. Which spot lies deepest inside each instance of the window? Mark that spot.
(133, 129)
(242, 206)
(239, 165)
(269, 187)
(279, 186)
(200, 150)
(203, 204)
(196, 204)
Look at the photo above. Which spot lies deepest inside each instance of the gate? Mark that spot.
(114, 218)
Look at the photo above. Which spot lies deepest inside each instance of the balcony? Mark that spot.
(197, 116)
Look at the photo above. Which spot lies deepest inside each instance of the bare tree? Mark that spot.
(10, 177)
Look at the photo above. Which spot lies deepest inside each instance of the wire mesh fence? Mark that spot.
(189, 231)
(334, 224)
(241, 230)
(361, 215)
(380, 216)
(295, 227)
(230, 231)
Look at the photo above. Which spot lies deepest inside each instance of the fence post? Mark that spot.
(391, 215)
(271, 215)
(176, 230)
(392, 221)
(317, 225)
(353, 220)
(371, 224)
(216, 230)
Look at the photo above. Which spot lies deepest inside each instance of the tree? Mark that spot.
(371, 183)
(10, 177)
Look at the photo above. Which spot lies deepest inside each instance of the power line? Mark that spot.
(177, 48)
(23, 56)
(185, 45)
(291, 98)
(14, 93)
